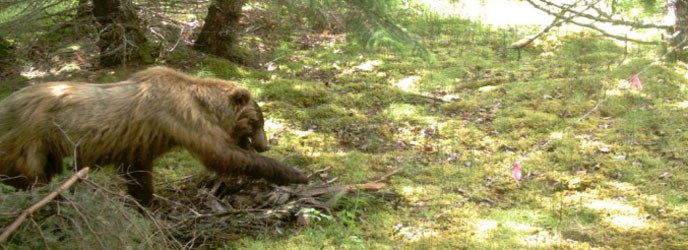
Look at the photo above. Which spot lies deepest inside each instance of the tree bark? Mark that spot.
(84, 9)
(679, 32)
(121, 38)
(219, 34)
(6, 57)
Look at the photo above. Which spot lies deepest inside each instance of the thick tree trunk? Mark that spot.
(679, 32)
(121, 38)
(219, 33)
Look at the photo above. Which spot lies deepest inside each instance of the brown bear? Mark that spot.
(131, 123)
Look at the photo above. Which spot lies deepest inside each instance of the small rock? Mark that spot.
(664, 176)
(302, 219)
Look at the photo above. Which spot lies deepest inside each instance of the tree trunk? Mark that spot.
(219, 33)
(121, 37)
(679, 32)
(6, 57)
(84, 9)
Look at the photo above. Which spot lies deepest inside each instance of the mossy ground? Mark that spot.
(455, 125)
(604, 165)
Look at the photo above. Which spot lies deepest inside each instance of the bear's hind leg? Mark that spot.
(28, 172)
(140, 182)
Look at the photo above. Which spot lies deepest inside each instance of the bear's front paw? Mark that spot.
(288, 175)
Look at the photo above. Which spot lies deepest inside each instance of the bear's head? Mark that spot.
(249, 128)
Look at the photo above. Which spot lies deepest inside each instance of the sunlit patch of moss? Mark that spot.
(362, 226)
(619, 216)
(660, 80)
(585, 43)
(407, 83)
(283, 110)
(300, 94)
(679, 203)
(522, 219)
(352, 166)
(444, 175)
(603, 60)
(552, 106)
(618, 106)
(581, 180)
(380, 96)
(437, 80)
(670, 128)
(304, 159)
(462, 134)
(515, 118)
(477, 84)
(405, 112)
(640, 125)
(307, 143)
(501, 183)
(219, 68)
(331, 117)
(365, 77)
(520, 91)
(460, 106)
(357, 100)
(398, 67)
(515, 227)
(415, 194)
(565, 108)
(586, 216)
(176, 165)
(571, 154)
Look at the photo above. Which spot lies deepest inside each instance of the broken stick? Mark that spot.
(17, 222)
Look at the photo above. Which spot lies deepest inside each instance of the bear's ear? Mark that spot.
(240, 96)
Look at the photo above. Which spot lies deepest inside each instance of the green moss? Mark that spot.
(297, 93)
(469, 105)
(520, 118)
(182, 55)
(219, 68)
(176, 165)
(404, 112)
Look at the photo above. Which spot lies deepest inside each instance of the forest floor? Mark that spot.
(603, 162)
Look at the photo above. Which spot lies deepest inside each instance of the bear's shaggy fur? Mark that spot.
(129, 124)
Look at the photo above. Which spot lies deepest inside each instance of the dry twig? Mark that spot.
(556, 22)
(386, 176)
(365, 187)
(603, 18)
(564, 10)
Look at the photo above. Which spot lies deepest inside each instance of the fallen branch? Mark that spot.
(365, 187)
(599, 18)
(386, 176)
(29, 211)
(568, 9)
(556, 22)
(319, 171)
